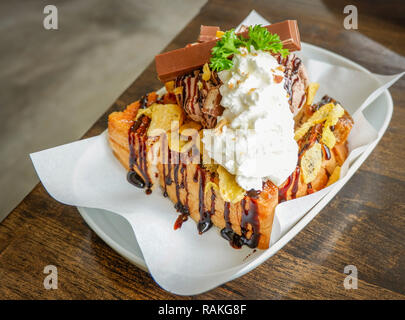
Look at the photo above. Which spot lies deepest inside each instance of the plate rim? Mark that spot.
(134, 259)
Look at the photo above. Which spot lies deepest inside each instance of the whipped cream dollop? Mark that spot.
(256, 143)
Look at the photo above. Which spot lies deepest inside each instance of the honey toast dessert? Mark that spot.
(235, 133)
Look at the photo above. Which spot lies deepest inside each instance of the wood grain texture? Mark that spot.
(364, 225)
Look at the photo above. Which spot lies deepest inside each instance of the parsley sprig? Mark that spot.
(259, 38)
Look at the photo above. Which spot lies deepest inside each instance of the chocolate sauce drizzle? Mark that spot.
(282, 192)
(196, 175)
(137, 134)
(293, 180)
(177, 185)
(213, 197)
(205, 223)
(168, 177)
(326, 152)
(143, 103)
(164, 150)
(291, 77)
(183, 209)
(179, 221)
(309, 188)
(249, 217)
(296, 180)
(193, 92)
(183, 172)
(227, 233)
(325, 100)
(252, 193)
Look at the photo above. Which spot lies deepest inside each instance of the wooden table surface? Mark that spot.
(363, 226)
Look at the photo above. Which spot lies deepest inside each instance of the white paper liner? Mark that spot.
(86, 174)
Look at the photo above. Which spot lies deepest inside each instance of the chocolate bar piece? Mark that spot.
(171, 64)
(208, 33)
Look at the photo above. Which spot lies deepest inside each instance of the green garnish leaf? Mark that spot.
(259, 37)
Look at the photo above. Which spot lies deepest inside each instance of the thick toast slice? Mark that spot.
(190, 185)
(247, 222)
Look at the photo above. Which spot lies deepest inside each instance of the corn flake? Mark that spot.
(229, 189)
(319, 116)
(169, 86)
(165, 117)
(219, 34)
(311, 163)
(329, 113)
(178, 90)
(311, 92)
(328, 137)
(190, 128)
(206, 72)
(147, 112)
(334, 176)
